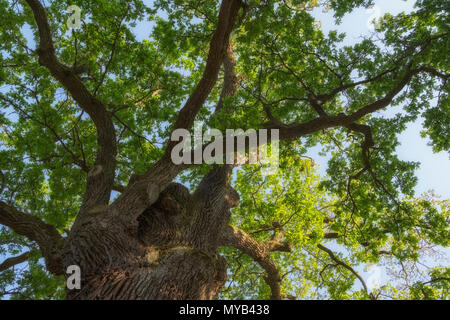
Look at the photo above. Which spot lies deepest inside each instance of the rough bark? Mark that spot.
(172, 253)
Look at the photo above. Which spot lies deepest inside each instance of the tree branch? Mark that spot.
(346, 266)
(45, 235)
(218, 46)
(298, 130)
(231, 80)
(13, 261)
(213, 198)
(145, 189)
(101, 179)
(260, 252)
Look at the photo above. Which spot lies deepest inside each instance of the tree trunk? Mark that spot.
(169, 253)
(175, 273)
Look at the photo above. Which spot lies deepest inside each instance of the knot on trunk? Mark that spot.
(162, 222)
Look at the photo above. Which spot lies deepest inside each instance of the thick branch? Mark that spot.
(324, 121)
(408, 53)
(219, 43)
(144, 190)
(298, 130)
(343, 264)
(99, 183)
(11, 262)
(231, 80)
(46, 236)
(213, 198)
(260, 252)
(436, 73)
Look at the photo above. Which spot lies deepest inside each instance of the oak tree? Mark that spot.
(87, 179)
